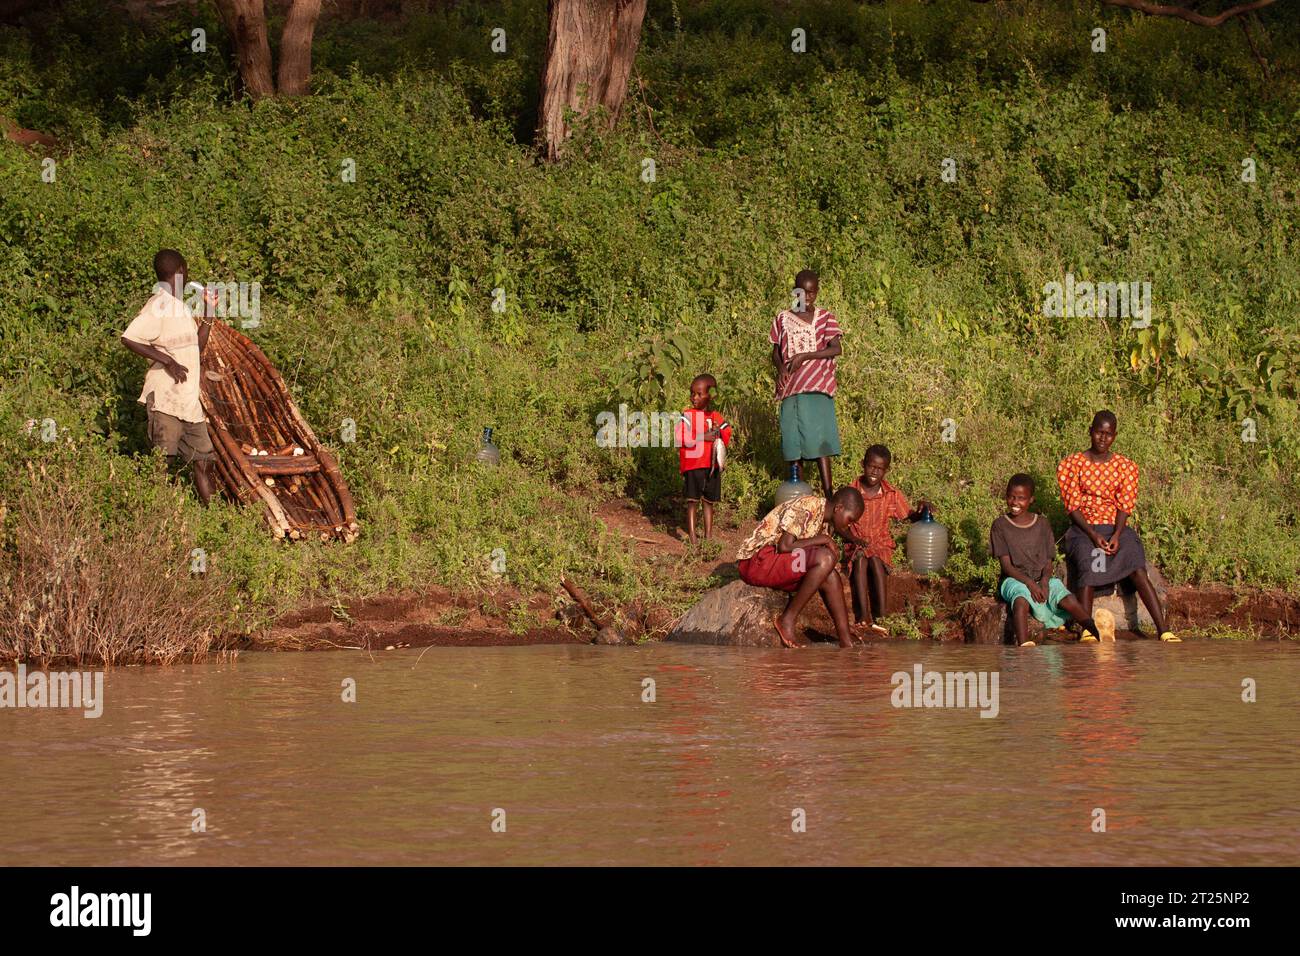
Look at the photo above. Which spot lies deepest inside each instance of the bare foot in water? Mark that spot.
(781, 632)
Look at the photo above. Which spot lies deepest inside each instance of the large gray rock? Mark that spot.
(736, 614)
(1130, 613)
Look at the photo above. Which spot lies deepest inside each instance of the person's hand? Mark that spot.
(1112, 546)
(1097, 540)
(834, 549)
(177, 371)
(926, 506)
(797, 360)
(711, 434)
(1036, 592)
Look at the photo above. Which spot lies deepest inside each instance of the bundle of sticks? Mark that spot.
(265, 450)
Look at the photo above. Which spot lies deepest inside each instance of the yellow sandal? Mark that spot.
(1105, 621)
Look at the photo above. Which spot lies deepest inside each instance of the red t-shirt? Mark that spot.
(877, 512)
(696, 453)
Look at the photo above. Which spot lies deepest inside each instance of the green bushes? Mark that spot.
(376, 300)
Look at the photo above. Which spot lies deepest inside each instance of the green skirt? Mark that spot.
(808, 428)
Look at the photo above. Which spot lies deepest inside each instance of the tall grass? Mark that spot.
(78, 583)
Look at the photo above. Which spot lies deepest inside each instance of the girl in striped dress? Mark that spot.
(805, 342)
(1099, 491)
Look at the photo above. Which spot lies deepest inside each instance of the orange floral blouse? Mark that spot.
(1098, 489)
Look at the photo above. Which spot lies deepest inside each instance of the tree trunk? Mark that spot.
(589, 54)
(295, 47)
(246, 21)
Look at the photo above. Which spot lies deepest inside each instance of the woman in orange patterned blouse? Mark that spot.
(1099, 491)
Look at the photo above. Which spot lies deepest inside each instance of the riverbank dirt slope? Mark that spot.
(919, 608)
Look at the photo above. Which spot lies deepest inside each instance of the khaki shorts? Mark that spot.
(189, 440)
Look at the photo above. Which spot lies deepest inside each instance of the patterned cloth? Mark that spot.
(873, 526)
(1098, 489)
(803, 517)
(795, 336)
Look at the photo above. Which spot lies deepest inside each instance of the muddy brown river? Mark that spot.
(554, 755)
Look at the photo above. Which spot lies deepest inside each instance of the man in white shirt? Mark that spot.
(165, 333)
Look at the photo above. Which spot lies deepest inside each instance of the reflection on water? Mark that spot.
(709, 773)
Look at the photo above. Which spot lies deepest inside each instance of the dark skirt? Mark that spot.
(1078, 549)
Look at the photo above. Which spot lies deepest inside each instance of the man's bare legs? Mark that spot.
(820, 576)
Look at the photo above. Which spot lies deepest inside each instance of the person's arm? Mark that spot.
(209, 315)
(1112, 546)
(831, 350)
(1067, 483)
(205, 329)
(1049, 547)
(790, 543)
(921, 507)
(1125, 501)
(1081, 523)
(174, 368)
(685, 440)
(1037, 590)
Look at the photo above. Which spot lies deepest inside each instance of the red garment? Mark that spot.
(693, 452)
(795, 336)
(873, 526)
(771, 569)
(1098, 489)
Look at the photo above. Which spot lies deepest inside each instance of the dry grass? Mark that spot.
(74, 588)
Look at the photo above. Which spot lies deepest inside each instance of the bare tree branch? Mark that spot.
(1254, 50)
(1191, 16)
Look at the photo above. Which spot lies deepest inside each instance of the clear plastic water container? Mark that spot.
(488, 453)
(927, 544)
(792, 487)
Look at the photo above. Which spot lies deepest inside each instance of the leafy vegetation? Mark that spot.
(377, 295)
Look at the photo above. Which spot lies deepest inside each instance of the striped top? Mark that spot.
(873, 526)
(795, 336)
(1098, 489)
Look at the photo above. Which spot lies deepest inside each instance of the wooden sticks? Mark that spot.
(247, 402)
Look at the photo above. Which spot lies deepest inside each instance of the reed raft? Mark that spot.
(249, 410)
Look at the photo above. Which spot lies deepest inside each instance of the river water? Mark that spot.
(745, 756)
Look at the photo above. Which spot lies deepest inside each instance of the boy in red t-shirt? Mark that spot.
(701, 435)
